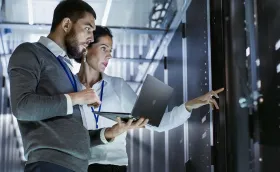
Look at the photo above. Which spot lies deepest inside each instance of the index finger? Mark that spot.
(128, 124)
(144, 123)
(95, 105)
(119, 121)
(138, 122)
(219, 90)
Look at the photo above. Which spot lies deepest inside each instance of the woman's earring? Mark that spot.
(85, 55)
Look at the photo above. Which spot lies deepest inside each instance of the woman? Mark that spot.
(117, 96)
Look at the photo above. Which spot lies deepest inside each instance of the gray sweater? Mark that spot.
(38, 85)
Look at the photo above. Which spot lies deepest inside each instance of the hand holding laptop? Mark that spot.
(122, 127)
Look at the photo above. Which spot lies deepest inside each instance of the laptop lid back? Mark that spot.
(152, 100)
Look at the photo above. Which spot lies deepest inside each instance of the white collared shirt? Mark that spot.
(58, 51)
(119, 97)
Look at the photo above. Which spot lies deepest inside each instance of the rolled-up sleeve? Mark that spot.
(69, 104)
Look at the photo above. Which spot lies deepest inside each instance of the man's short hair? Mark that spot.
(73, 9)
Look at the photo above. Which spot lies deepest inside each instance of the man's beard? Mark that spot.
(72, 45)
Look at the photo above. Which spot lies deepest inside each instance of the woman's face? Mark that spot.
(99, 54)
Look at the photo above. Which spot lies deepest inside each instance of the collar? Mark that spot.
(105, 77)
(52, 46)
(56, 50)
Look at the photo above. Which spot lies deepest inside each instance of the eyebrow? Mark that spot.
(89, 24)
(106, 46)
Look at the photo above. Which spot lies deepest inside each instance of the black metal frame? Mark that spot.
(219, 150)
(231, 126)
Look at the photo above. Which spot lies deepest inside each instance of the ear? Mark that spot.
(66, 25)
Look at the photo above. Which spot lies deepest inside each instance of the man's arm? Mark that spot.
(95, 138)
(24, 71)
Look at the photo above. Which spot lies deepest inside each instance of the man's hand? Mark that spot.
(204, 100)
(122, 127)
(87, 96)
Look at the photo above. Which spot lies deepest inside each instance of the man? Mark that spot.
(44, 93)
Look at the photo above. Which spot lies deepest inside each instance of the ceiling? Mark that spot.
(124, 13)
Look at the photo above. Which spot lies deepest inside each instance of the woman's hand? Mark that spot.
(204, 100)
(122, 127)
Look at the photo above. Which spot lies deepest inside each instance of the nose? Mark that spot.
(109, 56)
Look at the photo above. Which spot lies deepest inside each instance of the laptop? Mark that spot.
(151, 103)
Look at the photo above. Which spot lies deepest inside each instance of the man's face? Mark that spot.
(80, 35)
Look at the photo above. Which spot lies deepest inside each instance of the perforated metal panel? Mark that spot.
(198, 64)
